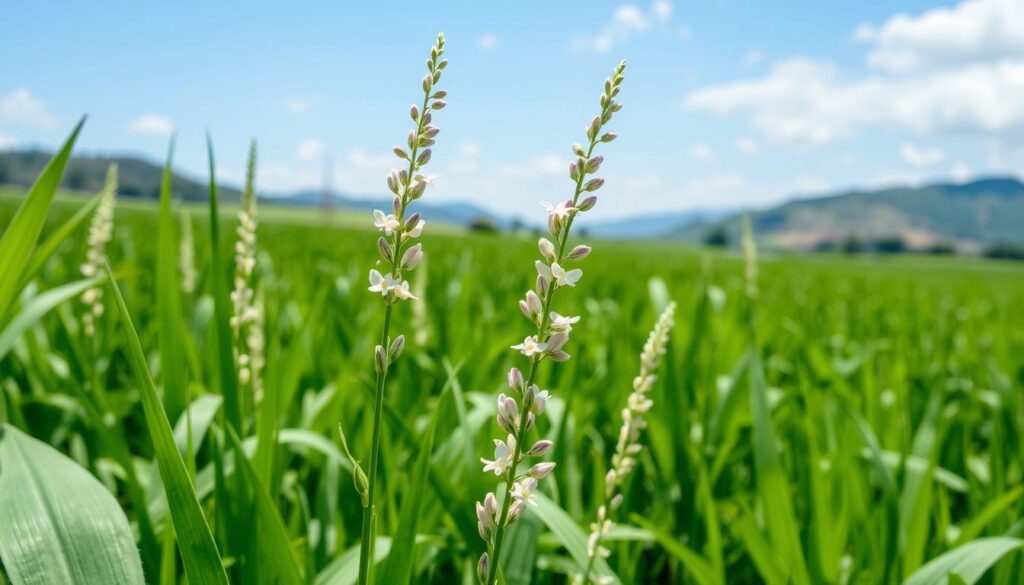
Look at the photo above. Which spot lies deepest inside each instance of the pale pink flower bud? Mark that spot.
(557, 340)
(577, 149)
(542, 284)
(424, 156)
(439, 105)
(396, 348)
(594, 164)
(541, 470)
(515, 380)
(417, 189)
(380, 359)
(412, 257)
(396, 206)
(579, 252)
(609, 136)
(385, 248)
(588, 203)
(593, 184)
(400, 153)
(533, 301)
(414, 113)
(540, 448)
(574, 172)
(483, 568)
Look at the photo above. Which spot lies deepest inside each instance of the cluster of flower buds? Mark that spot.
(187, 255)
(408, 185)
(247, 314)
(628, 445)
(101, 229)
(548, 342)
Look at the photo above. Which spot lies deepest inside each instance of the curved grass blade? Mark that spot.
(58, 524)
(50, 244)
(20, 237)
(344, 570)
(968, 562)
(273, 557)
(699, 568)
(569, 534)
(34, 310)
(195, 542)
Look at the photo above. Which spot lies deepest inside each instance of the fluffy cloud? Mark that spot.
(310, 150)
(298, 106)
(21, 108)
(628, 20)
(920, 157)
(702, 153)
(747, 145)
(151, 125)
(487, 42)
(973, 31)
(807, 102)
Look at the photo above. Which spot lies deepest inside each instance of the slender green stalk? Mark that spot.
(399, 231)
(554, 330)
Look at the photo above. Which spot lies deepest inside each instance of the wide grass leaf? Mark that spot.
(569, 534)
(20, 237)
(968, 562)
(195, 542)
(58, 524)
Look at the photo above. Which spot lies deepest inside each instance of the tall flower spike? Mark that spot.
(247, 318)
(101, 229)
(628, 445)
(398, 256)
(187, 255)
(547, 342)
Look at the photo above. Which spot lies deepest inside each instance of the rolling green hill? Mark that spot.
(969, 216)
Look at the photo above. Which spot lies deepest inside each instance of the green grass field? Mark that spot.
(869, 421)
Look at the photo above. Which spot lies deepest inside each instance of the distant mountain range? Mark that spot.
(968, 216)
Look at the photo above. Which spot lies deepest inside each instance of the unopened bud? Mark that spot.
(414, 113)
(515, 380)
(417, 189)
(577, 149)
(412, 257)
(396, 206)
(574, 172)
(380, 359)
(541, 448)
(542, 285)
(412, 139)
(541, 470)
(594, 164)
(588, 203)
(482, 568)
(423, 158)
(385, 248)
(400, 153)
(547, 249)
(439, 105)
(579, 252)
(396, 348)
(608, 136)
(593, 184)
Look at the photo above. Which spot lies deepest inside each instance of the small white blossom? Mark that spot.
(503, 452)
(417, 229)
(531, 346)
(522, 491)
(565, 278)
(385, 284)
(562, 211)
(563, 323)
(388, 224)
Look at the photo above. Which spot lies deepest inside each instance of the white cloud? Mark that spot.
(973, 31)
(541, 166)
(310, 150)
(298, 106)
(747, 145)
(7, 142)
(702, 153)
(151, 125)
(920, 157)
(628, 20)
(961, 172)
(22, 108)
(487, 42)
(468, 160)
(807, 102)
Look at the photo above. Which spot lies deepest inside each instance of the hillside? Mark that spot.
(141, 178)
(968, 215)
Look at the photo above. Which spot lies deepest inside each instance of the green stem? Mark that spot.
(499, 535)
(369, 511)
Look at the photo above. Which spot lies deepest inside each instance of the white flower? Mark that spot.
(530, 346)
(417, 229)
(385, 284)
(561, 211)
(429, 179)
(540, 399)
(564, 278)
(503, 453)
(543, 269)
(562, 323)
(522, 491)
(385, 223)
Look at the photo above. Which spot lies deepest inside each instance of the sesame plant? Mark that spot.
(547, 343)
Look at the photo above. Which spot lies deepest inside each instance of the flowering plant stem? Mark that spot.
(407, 187)
(531, 379)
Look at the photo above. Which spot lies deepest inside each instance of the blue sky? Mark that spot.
(727, 103)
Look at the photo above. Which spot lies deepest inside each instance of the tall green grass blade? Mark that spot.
(168, 293)
(969, 562)
(569, 534)
(273, 560)
(20, 237)
(58, 524)
(49, 246)
(37, 307)
(773, 489)
(696, 565)
(195, 542)
(227, 376)
(344, 570)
